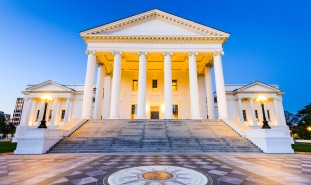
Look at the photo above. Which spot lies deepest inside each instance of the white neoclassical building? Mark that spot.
(156, 65)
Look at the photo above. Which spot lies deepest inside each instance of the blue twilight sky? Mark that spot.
(269, 42)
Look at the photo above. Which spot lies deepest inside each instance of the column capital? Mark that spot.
(277, 99)
(218, 53)
(108, 74)
(192, 53)
(117, 52)
(252, 98)
(100, 64)
(142, 53)
(90, 52)
(209, 65)
(167, 53)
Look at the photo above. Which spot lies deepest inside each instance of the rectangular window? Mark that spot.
(256, 114)
(38, 115)
(174, 85)
(133, 111)
(154, 85)
(244, 115)
(135, 85)
(268, 112)
(50, 115)
(175, 111)
(63, 115)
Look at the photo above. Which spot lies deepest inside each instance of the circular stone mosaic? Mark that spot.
(158, 175)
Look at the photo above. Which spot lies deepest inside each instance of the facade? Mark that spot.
(66, 104)
(17, 111)
(153, 65)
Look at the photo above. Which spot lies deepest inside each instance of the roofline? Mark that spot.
(150, 11)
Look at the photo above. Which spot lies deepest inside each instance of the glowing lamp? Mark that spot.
(262, 99)
(46, 99)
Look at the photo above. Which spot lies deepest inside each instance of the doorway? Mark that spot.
(154, 112)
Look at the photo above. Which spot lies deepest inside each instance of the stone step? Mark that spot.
(101, 136)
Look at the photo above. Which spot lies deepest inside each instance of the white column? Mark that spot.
(209, 92)
(240, 110)
(220, 86)
(24, 111)
(88, 86)
(116, 83)
(141, 105)
(266, 112)
(106, 96)
(277, 112)
(26, 120)
(194, 90)
(54, 111)
(41, 112)
(67, 110)
(254, 121)
(281, 112)
(99, 91)
(168, 114)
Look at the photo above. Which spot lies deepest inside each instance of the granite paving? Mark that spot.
(222, 168)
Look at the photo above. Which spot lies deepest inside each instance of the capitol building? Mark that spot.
(153, 66)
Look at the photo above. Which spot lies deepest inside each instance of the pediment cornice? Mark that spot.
(204, 31)
(270, 89)
(164, 39)
(36, 88)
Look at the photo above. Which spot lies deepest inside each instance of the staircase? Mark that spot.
(124, 136)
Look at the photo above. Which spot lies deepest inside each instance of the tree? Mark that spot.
(6, 128)
(292, 119)
(304, 122)
(3, 126)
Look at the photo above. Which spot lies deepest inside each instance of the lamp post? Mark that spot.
(262, 99)
(46, 99)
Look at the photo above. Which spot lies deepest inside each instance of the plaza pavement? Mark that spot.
(222, 168)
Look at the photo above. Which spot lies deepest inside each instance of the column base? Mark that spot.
(196, 117)
(85, 117)
(142, 117)
(114, 117)
(168, 117)
(223, 117)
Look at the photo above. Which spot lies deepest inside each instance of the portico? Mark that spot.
(144, 79)
(154, 59)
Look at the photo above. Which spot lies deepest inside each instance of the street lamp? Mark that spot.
(46, 99)
(309, 129)
(262, 99)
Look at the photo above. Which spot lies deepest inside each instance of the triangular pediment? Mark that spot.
(49, 86)
(154, 23)
(258, 87)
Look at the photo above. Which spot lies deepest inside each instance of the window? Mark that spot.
(154, 85)
(135, 85)
(174, 85)
(256, 114)
(38, 115)
(175, 111)
(133, 111)
(268, 113)
(244, 115)
(50, 115)
(63, 115)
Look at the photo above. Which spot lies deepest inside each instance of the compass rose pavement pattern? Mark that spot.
(215, 168)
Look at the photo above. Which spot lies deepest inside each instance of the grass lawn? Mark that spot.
(302, 147)
(7, 146)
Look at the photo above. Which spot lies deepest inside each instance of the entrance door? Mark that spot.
(154, 112)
